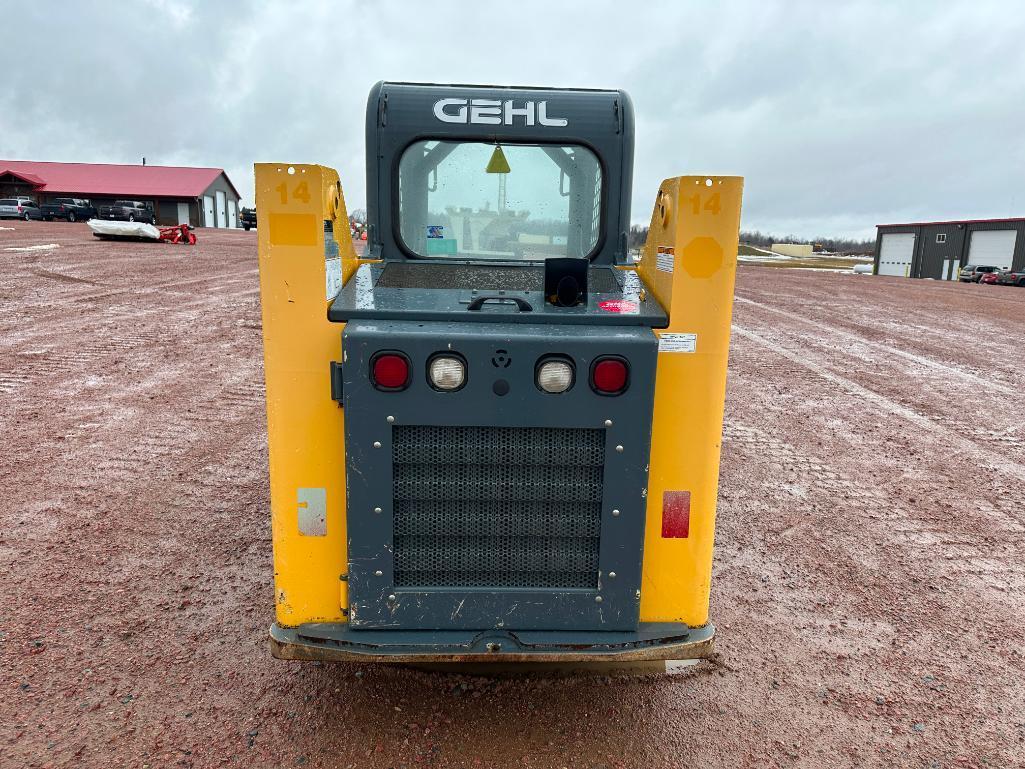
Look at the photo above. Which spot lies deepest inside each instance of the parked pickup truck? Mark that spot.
(247, 218)
(69, 209)
(129, 211)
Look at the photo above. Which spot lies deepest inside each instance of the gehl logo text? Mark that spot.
(495, 112)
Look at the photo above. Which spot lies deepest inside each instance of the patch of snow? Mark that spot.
(766, 258)
(41, 247)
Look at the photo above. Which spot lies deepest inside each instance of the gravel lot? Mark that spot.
(869, 582)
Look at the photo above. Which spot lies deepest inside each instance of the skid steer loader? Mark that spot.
(494, 435)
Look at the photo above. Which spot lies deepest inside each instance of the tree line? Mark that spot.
(639, 233)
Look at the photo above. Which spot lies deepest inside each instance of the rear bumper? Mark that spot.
(337, 642)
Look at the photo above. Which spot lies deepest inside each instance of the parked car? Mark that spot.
(69, 209)
(129, 211)
(973, 273)
(1011, 277)
(989, 277)
(19, 208)
(247, 218)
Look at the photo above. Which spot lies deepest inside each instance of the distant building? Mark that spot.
(939, 249)
(202, 197)
(793, 249)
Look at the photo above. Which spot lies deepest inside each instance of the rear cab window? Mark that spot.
(484, 201)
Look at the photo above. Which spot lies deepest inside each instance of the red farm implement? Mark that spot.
(180, 233)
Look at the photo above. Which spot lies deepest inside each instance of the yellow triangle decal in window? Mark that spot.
(498, 164)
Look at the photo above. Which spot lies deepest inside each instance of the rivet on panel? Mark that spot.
(389, 419)
(378, 573)
(615, 513)
(391, 597)
(598, 599)
(377, 445)
(608, 423)
(612, 575)
(619, 449)
(377, 510)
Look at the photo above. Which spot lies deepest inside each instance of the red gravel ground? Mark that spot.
(868, 582)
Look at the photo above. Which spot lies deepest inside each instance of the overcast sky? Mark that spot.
(839, 115)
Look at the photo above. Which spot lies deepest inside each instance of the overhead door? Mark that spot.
(208, 211)
(992, 247)
(895, 253)
(221, 214)
(232, 214)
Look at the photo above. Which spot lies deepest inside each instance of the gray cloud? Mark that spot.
(839, 115)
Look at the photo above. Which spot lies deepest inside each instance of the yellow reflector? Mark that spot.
(498, 164)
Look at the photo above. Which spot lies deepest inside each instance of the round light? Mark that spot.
(390, 371)
(447, 373)
(609, 376)
(555, 376)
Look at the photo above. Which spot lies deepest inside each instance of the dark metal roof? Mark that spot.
(955, 221)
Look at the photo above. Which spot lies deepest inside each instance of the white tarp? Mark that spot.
(124, 229)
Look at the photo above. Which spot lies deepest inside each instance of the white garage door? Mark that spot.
(232, 214)
(992, 247)
(895, 253)
(183, 213)
(221, 212)
(208, 211)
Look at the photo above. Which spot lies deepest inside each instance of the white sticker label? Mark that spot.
(678, 343)
(664, 259)
(333, 271)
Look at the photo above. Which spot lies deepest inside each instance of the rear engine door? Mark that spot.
(495, 505)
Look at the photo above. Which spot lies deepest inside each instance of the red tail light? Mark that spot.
(610, 376)
(390, 371)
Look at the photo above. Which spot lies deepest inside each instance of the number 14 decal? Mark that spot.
(301, 192)
(711, 203)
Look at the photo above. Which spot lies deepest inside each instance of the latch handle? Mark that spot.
(336, 382)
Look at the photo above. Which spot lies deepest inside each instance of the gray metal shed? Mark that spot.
(939, 249)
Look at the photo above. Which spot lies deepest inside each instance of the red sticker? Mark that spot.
(675, 514)
(618, 305)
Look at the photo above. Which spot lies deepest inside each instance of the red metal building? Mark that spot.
(202, 197)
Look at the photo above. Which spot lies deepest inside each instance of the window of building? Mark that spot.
(941, 237)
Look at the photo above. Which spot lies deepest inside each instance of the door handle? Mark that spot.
(522, 305)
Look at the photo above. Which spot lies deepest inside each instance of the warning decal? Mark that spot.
(678, 343)
(333, 274)
(624, 306)
(664, 258)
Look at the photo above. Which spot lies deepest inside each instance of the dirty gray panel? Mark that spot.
(476, 508)
(368, 296)
(312, 505)
(482, 277)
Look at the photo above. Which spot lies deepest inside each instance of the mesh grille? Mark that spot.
(497, 506)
